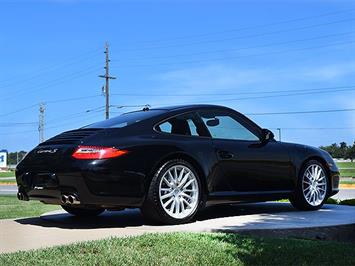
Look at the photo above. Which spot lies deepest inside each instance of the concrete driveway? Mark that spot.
(58, 228)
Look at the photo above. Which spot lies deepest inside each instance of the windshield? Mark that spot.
(125, 119)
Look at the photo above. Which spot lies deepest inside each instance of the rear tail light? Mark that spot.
(96, 152)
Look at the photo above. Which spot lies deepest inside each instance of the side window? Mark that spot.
(180, 125)
(224, 126)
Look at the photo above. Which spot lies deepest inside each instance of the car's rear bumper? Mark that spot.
(106, 189)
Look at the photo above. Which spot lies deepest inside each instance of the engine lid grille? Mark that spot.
(71, 137)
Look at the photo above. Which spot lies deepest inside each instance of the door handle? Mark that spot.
(225, 154)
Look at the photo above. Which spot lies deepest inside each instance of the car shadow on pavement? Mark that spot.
(134, 218)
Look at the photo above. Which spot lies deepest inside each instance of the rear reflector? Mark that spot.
(95, 152)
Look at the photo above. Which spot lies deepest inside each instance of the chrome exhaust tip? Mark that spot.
(64, 199)
(72, 199)
(20, 196)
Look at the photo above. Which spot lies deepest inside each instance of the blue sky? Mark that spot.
(176, 52)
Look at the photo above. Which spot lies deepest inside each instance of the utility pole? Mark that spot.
(107, 77)
(279, 130)
(42, 109)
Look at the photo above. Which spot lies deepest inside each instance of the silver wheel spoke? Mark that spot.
(185, 195)
(177, 206)
(170, 194)
(180, 175)
(187, 203)
(188, 183)
(183, 181)
(172, 207)
(171, 177)
(168, 202)
(182, 205)
(175, 173)
(166, 182)
(179, 192)
(314, 185)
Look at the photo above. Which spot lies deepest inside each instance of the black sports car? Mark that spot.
(171, 162)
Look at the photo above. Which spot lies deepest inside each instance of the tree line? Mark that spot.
(341, 150)
(14, 157)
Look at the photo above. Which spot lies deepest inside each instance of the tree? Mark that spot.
(343, 149)
(15, 157)
(332, 149)
(350, 153)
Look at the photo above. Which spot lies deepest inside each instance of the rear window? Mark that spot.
(125, 119)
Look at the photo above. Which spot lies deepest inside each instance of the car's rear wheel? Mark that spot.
(174, 194)
(82, 211)
(312, 187)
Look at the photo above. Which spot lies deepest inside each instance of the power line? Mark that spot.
(315, 128)
(244, 48)
(305, 112)
(230, 94)
(20, 110)
(74, 99)
(55, 82)
(230, 58)
(255, 26)
(262, 97)
(15, 124)
(49, 69)
(281, 95)
(241, 37)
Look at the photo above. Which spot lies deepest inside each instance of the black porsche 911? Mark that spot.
(171, 162)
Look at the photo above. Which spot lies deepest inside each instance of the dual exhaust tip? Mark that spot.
(22, 196)
(70, 199)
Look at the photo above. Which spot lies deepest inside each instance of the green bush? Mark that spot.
(350, 202)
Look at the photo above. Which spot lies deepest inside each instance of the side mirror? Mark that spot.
(267, 135)
(213, 122)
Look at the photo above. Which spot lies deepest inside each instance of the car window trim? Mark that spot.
(194, 116)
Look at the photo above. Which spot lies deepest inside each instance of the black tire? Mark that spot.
(82, 211)
(298, 199)
(152, 208)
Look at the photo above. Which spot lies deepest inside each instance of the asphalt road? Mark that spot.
(343, 193)
(8, 190)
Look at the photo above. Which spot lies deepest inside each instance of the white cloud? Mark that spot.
(330, 72)
(211, 78)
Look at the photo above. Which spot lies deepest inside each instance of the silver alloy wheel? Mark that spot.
(179, 192)
(314, 185)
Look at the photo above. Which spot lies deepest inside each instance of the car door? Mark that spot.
(244, 162)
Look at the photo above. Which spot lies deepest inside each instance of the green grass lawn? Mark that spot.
(346, 164)
(347, 172)
(11, 207)
(5, 181)
(7, 174)
(189, 249)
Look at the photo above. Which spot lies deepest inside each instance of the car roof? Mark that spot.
(182, 108)
(191, 107)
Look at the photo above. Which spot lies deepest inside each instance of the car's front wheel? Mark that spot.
(174, 194)
(82, 211)
(312, 187)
